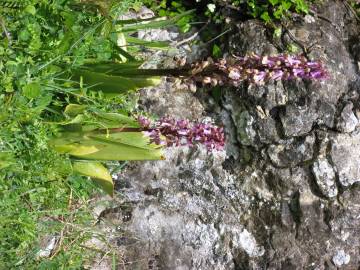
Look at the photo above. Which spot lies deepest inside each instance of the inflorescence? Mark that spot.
(258, 70)
(170, 132)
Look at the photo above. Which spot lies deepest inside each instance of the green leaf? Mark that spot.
(74, 109)
(32, 90)
(112, 67)
(97, 172)
(120, 145)
(274, 2)
(114, 84)
(266, 17)
(118, 119)
(279, 13)
(124, 146)
(286, 5)
(162, 45)
(76, 149)
(121, 47)
(216, 51)
(30, 9)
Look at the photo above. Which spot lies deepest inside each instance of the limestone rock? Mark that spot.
(297, 121)
(341, 258)
(325, 177)
(345, 154)
(347, 121)
(292, 152)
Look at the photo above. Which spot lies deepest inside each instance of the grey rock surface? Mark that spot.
(325, 177)
(347, 121)
(345, 156)
(284, 193)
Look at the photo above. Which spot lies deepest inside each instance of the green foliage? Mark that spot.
(270, 11)
(273, 10)
(64, 65)
(113, 82)
(172, 9)
(277, 9)
(355, 4)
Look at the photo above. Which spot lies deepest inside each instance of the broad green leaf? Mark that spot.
(104, 82)
(112, 146)
(30, 9)
(121, 43)
(114, 84)
(97, 172)
(112, 67)
(124, 56)
(32, 90)
(146, 81)
(124, 146)
(151, 44)
(96, 120)
(106, 66)
(74, 109)
(117, 118)
(131, 70)
(76, 149)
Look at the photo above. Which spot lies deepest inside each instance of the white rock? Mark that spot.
(325, 177)
(248, 243)
(309, 19)
(46, 252)
(341, 258)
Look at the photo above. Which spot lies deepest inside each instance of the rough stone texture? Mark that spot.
(345, 156)
(292, 152)
(284, 194)
(347, 121)
(325, 177)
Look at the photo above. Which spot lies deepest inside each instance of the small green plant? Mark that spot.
(276, 9)
(172, 9)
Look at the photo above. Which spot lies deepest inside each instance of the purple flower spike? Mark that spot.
(171, 132)
(260, 69)
(144, 122)
(277, 75)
